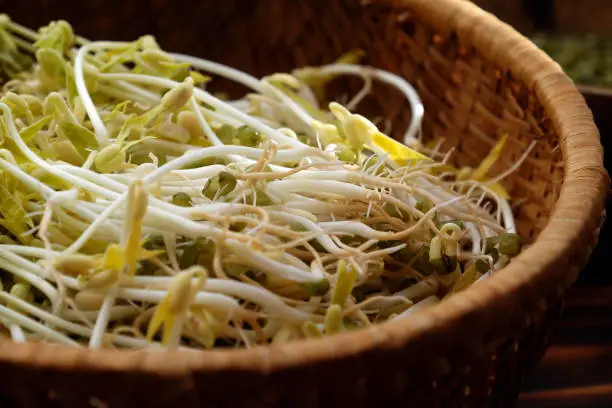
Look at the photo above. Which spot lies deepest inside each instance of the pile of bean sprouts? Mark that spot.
(139, 210)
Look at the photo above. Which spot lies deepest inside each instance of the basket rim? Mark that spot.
(581, 199)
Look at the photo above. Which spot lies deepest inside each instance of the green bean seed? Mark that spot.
(421, 261)
(510, 244)
(347, 155)
(262, 199)
(219, 185)
(423, 205)
(182, 199)
(482, 266)
(154, 242)
(226, 133)
(490, 244)
(248, 136)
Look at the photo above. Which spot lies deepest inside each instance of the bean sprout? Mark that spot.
(139, 210)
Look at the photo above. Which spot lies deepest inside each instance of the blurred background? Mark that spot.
(576, 33)
(577, 370)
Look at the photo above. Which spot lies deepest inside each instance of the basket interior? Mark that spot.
(470, 101)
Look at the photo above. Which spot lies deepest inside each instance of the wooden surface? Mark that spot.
(577, 370)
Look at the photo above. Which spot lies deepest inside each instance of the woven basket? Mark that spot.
(479, 79)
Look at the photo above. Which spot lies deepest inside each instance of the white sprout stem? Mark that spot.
(507, 215)
(212, 300)
(328, 186)
(153, 177)
(123, 94)
(363, 92)
(79, 79)
(254, 294)
(269, 266)
(301, 114)
(475, 238)
(14, 265)
(22, 265)
(71, 327)
(176, 332)
(144, 94)
(34, 326)
(222, 70)
(430, 301)
(99, 330)
(323, 238)
(26, 250)
(208, 132)
(17, 334)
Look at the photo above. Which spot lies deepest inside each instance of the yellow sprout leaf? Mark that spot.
(120, 108)
(283, 335)
(481, 172)
(13, 215)
(398, 152)
(52, 67)
(198, 78)
(327, 133)
(18, 105)
(80, 137)
(465, 173)
(359, 131)
(161, 316)
(333, 320)
(29, 132)
(346, 277)
(339, 111)
(132, 247)
(443, 168)
(181, 293)
(204, 326)
(137, 202)
(499, 190)
(284, 80)
(113, 258)
(58, 35)
(356, 131)
(351, 57)
(145, 254)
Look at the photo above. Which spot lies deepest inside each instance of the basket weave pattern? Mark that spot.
(479, 80)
